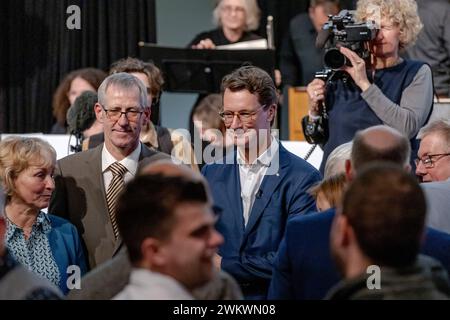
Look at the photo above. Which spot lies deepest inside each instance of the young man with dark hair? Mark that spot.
(381, 199)
(167, 225)
(303, 268)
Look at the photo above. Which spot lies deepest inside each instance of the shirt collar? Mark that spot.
(265, 158)
(130, 162)
(42, 223)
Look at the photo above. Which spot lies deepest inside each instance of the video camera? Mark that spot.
(342, 30)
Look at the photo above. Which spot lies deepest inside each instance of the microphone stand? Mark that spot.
(78, 141)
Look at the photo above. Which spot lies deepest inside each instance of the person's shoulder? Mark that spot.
(301, 18)
(312, 219)
(436, 186)
(417, 65)
(295, 162)
(80, 157)
(432, 234)
(61, 225)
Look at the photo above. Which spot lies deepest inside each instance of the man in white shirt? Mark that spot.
(260, 187)
(86, 190)
(171, 247)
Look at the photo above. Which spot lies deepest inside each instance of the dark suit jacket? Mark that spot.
(80, 197)
(249, 251)
(304, 268)
(299, 57)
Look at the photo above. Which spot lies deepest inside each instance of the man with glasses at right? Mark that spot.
(87, 183)
(257, 187)
(433, 168)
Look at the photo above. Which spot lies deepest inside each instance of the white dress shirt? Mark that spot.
(148, 285)
(251, 176)
(131, 163)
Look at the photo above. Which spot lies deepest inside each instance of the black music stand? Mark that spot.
(201, 71)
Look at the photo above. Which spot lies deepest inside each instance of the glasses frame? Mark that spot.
(123, 112)
(251, 115)
(428, 161)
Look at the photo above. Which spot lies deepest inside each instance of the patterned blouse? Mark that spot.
(34, 252)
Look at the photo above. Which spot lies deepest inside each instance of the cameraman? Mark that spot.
(387, 90)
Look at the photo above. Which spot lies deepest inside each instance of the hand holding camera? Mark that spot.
(316, 94)
(357, 70)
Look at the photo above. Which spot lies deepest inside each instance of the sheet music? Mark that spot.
(252, 44)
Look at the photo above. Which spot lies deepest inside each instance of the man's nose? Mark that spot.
(420, 169)
(123, 119)
(236, 123)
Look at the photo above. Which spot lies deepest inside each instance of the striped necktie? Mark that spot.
(114, 189)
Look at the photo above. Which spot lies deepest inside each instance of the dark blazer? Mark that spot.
(299, 57)
(304, 268)
(80, 197)
(248, 251)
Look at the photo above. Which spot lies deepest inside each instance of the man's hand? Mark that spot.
(316, 94)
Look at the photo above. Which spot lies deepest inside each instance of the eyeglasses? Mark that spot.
(230, 9)
(244, 116)
(114, 114)
(428, 161)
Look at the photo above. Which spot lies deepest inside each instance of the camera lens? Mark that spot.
(334, 59)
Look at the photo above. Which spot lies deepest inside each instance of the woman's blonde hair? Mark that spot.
(19, 153)
(401, 12)
(252, 14)
(332, 188)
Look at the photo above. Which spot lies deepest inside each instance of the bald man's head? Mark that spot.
(380, 143)
(167, 168)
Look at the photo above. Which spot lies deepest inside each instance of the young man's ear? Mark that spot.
(152, 253)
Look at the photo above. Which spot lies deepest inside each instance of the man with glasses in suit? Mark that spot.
(88, 183)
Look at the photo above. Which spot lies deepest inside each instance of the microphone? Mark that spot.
(81, 115)
(322, 38)
(258, 194)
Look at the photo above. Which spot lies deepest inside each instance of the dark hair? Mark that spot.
(145, 208)
(61, 102)
(253, 79)
(386, 208)
(153, 73)
(364, 153)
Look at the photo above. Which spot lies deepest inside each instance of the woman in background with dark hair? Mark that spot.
(73, 84)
